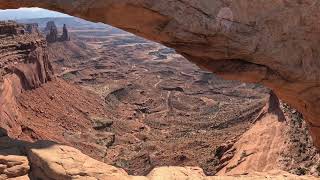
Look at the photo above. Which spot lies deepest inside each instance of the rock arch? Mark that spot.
(274, 42)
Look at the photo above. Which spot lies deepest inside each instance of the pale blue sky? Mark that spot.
(28, 13)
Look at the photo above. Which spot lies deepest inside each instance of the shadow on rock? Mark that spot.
(14, 161)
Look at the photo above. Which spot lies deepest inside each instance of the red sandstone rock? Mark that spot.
(24, 65)
(52, 34)
(58, 162)
(270, 42)
(65, 34)
(51, 31)
(32, 28)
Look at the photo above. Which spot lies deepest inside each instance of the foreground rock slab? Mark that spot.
(63, 162)
(258, 149)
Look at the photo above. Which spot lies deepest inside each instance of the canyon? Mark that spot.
(270, 42)
(138, 106)
(142, 108)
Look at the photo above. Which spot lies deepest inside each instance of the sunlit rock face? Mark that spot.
(271, 42)
(23, 56)
(24, 65)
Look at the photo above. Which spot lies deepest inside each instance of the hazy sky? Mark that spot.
(28, 13)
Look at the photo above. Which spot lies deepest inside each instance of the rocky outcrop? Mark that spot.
(51, 31)
(32, 28)
(52, 35)
(51, 161)
(65, 34)
(258, 150)
(23, 54)
(31, 107)
(270, 42)
(24, 65)
(299, 155)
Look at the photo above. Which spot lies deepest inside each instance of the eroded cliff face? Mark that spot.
(24, 65)
(270, 42)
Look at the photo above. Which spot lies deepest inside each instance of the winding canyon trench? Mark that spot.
(144, 109)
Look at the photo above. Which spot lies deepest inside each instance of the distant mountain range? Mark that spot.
(42, 16)
(70, 21)
(28, 13)
(73, 23)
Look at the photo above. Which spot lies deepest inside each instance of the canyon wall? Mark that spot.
(24, 65)
(270, 42)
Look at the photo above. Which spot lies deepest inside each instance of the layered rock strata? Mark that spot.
(270, 42)
(24, 65)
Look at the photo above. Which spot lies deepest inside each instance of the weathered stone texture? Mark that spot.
(271, 42)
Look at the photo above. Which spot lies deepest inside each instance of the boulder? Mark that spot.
(12, 166)
(52, 161)
(168, 172)
(101, 123)
(105, 139)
